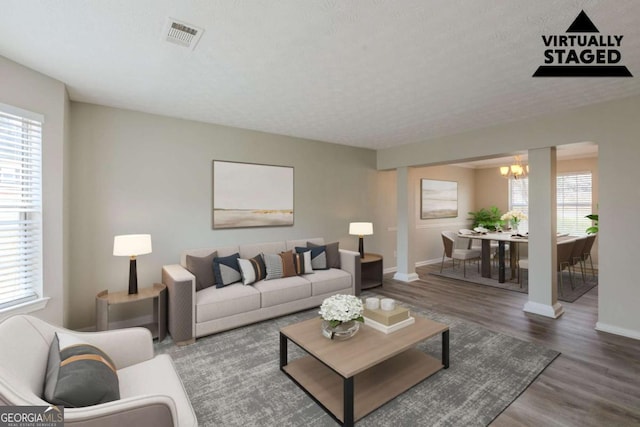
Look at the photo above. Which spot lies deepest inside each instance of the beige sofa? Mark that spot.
(151, 393)
(195, 314)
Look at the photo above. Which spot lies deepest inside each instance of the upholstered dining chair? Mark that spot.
(586, 252)
(577, 255)
(458, 248)
(563, 257)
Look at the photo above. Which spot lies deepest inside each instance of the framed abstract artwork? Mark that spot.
(439, 199)
(251, 195)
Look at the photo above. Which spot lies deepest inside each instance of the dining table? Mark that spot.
(503, 237)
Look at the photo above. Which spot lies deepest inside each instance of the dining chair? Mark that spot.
(459, 249)
(586, 252)
(564, 252)
(577, 254)
(563, 256)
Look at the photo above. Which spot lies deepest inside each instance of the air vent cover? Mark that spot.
(181, 33)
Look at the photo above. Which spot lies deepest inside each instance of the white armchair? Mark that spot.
(151, 393)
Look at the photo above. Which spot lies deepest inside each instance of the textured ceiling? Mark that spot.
(369, 73)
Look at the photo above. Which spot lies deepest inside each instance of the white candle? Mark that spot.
(388, 304)
(372, 303)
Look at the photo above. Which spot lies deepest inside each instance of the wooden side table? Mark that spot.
(370, 271)
(158, 293)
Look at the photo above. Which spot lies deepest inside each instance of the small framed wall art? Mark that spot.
(439, 199)
(251, 195)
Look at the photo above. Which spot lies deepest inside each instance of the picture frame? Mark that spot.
(438, 199)
(251, 195)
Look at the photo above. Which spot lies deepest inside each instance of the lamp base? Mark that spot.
(133, 277)
(361, 247)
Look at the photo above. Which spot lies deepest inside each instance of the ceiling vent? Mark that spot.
(181, 33)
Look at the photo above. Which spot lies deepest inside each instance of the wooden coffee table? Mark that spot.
(349, 379)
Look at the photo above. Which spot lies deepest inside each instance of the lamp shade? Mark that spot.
(132, 245)
(361, 228)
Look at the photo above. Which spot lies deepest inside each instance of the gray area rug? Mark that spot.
(567, 295)
(233, 378)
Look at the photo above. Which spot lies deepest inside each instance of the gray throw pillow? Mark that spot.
(202, 268)
(79, 374)
(273, 263)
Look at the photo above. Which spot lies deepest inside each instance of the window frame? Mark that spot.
(23, 153)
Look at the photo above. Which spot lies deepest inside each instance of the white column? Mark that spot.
(406, 226)
(543, 290)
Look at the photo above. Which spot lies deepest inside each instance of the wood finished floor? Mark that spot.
(594, 382)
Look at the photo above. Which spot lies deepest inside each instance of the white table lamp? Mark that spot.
(132, 245)
(361, 229)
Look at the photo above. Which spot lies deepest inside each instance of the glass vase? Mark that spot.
(342, 331)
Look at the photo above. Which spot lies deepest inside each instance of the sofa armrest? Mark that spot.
(125, 347)
(350, 262)
(150, 410)
(181, 285)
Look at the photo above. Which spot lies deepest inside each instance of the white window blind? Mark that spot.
(20, 206)
(574, 200)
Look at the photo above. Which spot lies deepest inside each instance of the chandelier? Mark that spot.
(516, 170)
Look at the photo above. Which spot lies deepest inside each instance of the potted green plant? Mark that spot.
(487, 218)
(594, 227)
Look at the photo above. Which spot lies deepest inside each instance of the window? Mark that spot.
(20, 206)
(574, 202)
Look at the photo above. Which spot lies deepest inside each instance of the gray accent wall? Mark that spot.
(141, 173)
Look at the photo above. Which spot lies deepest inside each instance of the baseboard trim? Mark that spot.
(553, 311)
(403, 277)
(616, 330)
(418, 264)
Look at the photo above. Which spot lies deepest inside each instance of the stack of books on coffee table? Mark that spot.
(388, 321)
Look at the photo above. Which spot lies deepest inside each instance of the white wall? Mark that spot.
(32, 91)
(615, 127)
(141, 173)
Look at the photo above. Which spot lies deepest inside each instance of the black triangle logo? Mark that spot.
(582, 24)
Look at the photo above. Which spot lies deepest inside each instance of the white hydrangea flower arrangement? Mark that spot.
(514, 216)
(341, 308)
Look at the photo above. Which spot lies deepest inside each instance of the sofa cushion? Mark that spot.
(251, 250)
(302, 262)
(202, 268)
(215, 303)
(332, 251)
(253, 270)
(158, 376)
(273, 263)
(288, 265)
(79, 374)
(326, 281)
(292, 244)
(281, 291)
(318, 256)
(226, 270)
